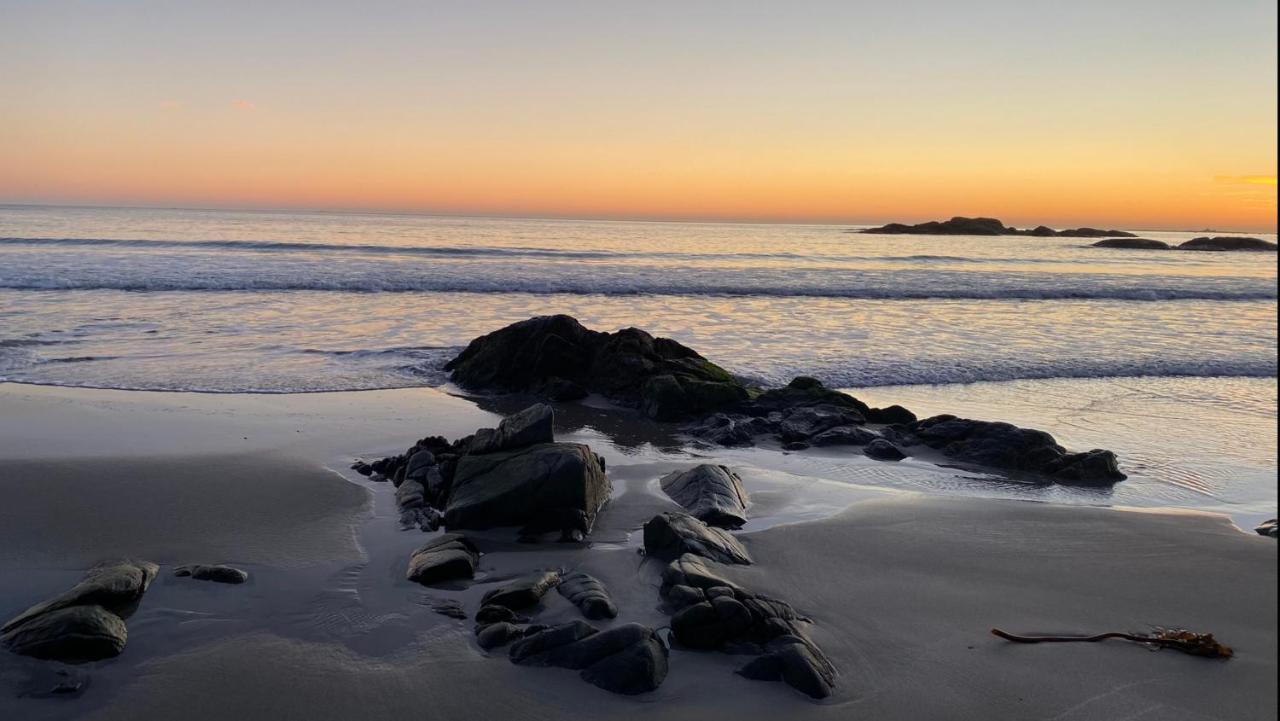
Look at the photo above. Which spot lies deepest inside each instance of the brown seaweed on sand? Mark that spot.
(1196, 644)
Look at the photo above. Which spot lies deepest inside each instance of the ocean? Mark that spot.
(1168, 358)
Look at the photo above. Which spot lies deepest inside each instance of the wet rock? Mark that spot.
(73, 634)
(1267, 528)
(530, 426)
(449, 607)
(804, 391)
(212, 572)
(680, 596)
(882, 450)
(498, 634)
(672, 535)
(1229, 242)
(1132, 243)
(638, 668)
(495, 614)
(889, 415)
(694, 571)
(708, 625)
(362, 468)
(804, 422)
(712, 494)
(731, 430)
(511, 488)
(448, 557)
(529, 650)
(795, 446)
(958, 225)
(587, 650)
(798, 663)
(589, 595)
(1008, 447)
(844, 436)
(116, 586)
(410, 494)
(523, 592)
(419, 464)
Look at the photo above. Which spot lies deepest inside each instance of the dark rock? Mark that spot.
(511, 488)
(892, 414)
(410, 494)
(1132, 243)
(498, 634)
(804, 422)
(708, 625)
(804, 391)
(418, 464)
(1008, 447)
(589, 649)
(447, 557)
(1042, 231)
(1228, 242)
(1094, 233)
(712, 494)
(638, 668)
(671, 535)
(215, 573)
(496, 614)
(589, 595)
(795, 445)
(680, 596)
(117, 586)
(694, 571)
(882, 450)
(362, 468)
(558, 352)
(530, 426)
(447, 607)
(1267, 528)
(73, 634)
(529, 650)
(797, 662)
(956, 226)
(523, 592)
(844, 436)
(731, 430)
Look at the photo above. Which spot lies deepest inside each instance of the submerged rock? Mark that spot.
(712, 494)
(448, 557)
(1228, 242)
(212, 572)
(589, 595)
(1008, 447)
(672, 535)
(530, 426)
(511, 488)
(523, 592)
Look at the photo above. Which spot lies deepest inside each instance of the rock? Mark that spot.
(116, 586)
(72, 634)
(410, 494)
(530, 426)
(804, 391)
(496, 614)
(556, 352)
(795, 446)
(498, 634)
(892, 414)
(693, 571)
(448, 557)
(882, 450)
(671, 535)
(362, 468)
(844, 436)
(1132, 243)
(449, 607)
(589, 649)
(589, 595)
(638, 668)
(1228, 242)
(680, 596)
(522, 592)
(418, 464)
(1094, 233)
(215, 573)
(712, 494)
(708, 625)
(510, 488)
(731, 429)
(529, 650)
(1267, 528)
(802, 423)
(1008, 447)
(797, 662)
(956, 226)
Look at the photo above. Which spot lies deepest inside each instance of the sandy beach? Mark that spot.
(902, 587)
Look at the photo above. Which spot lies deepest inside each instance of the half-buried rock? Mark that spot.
(542, 482)
(216, 573)
(712, 494)
(448, 557)
(797, 662)
(671, 535)
(589, 595)
(523, 592)
(86, 622)
(626, 659)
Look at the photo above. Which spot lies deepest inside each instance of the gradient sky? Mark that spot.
(1152, 114)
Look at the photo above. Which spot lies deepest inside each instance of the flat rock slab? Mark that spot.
(216, 573)
(538, 483)
(448, 557)
(522, 592)
(589, 595)
(671, 535)
(73, 634)
(712, 494)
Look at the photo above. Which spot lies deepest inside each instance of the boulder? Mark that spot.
(587, 650)
(710, 624)
(116, 586)
(672, 535)
(1267, 528)
(891, 414)
(1132, 244)
(805, 391)
(712, 494)
(530, 426)
(680, 596)
(726, 429)
(529, 650)
(883, 450)
(797, 662)
(844, 436)
(1008, 447)
(693, 571)
(212, 572)
(1228, 242)
(498, 634)
(448, 557)
(73, 634)
(523, 592)
(515, 487)
(638, 668)
(588, 594)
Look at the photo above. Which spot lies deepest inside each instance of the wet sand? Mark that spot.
(902, 587)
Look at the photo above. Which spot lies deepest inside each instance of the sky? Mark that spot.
(1127, 113)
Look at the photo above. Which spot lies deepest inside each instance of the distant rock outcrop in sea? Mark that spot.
(1226, 243)
(960, 225)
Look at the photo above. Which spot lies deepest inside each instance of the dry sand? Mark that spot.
(903, 588)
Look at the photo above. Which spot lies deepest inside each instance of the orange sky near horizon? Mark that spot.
(791, 131)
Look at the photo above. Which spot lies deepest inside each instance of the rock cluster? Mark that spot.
(989, 226)
(86, 623)
(1219, 243)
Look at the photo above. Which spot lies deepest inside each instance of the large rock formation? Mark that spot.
(712, 494)
(86, 623)
(1228, 242)
(556, 357)
(960, 225)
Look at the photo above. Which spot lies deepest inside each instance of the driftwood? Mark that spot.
(1196, 644)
